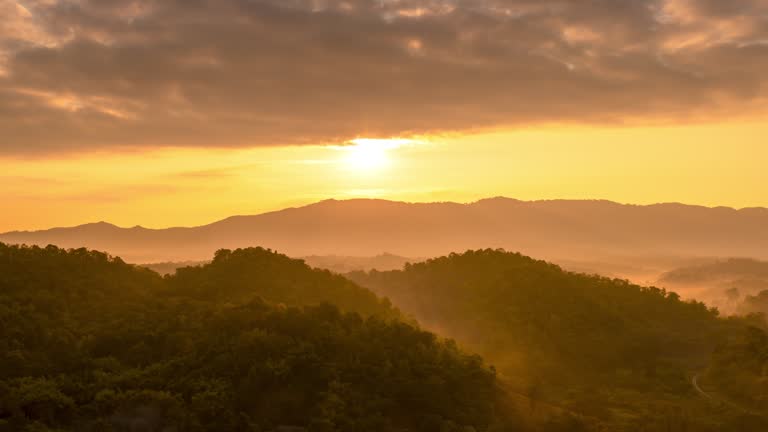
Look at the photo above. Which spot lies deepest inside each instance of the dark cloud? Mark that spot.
(96, 73)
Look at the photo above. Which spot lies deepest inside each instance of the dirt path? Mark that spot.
(695, 382)
(714, 398)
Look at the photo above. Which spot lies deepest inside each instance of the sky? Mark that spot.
(178, 113)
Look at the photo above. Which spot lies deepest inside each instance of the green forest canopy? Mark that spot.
(248, 342)
(599, 346)
(251, 342)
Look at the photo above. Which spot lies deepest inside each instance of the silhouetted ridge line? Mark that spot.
(552, 229)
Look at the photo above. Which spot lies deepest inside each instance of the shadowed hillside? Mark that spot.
(554, 230)
(89, 343)
(250, 342)
(601, 347)
(243, 274)
(737, 372)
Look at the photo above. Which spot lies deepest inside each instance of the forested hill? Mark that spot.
(563, 336)
(49, 294)
(243, 274)
(492, 298)
(89, 343)
(250, 342)
(732, 269)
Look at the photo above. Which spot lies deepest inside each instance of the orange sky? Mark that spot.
(180, 113)
(721, 164)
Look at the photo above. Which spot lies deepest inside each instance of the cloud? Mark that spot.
(94, 74)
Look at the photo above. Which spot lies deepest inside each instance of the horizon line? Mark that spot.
(328, 200)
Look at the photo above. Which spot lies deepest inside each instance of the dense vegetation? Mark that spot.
(243, 274)
(754, 304)
(250, 342)
(606, 348)
(739, 370)
(90, 343)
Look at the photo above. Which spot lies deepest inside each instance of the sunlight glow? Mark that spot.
(369, 154)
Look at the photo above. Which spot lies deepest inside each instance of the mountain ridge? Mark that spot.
(364, 227)
(334, 200)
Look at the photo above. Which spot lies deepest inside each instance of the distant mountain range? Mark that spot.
(558, 229)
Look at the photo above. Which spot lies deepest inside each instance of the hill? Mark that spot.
(244, 274)
(335, 263)
(47, 291)
(250, 342)
(90, 343)
(721, 270)
(733, 285)
(601, 347)
(550, 229)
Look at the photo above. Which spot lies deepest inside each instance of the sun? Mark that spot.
(369, 154)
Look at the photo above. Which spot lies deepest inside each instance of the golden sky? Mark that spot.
(170, 112)
(721, 164)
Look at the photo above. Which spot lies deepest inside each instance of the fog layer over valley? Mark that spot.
(733, 285)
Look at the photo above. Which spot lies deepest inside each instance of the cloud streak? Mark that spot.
(88, 74)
